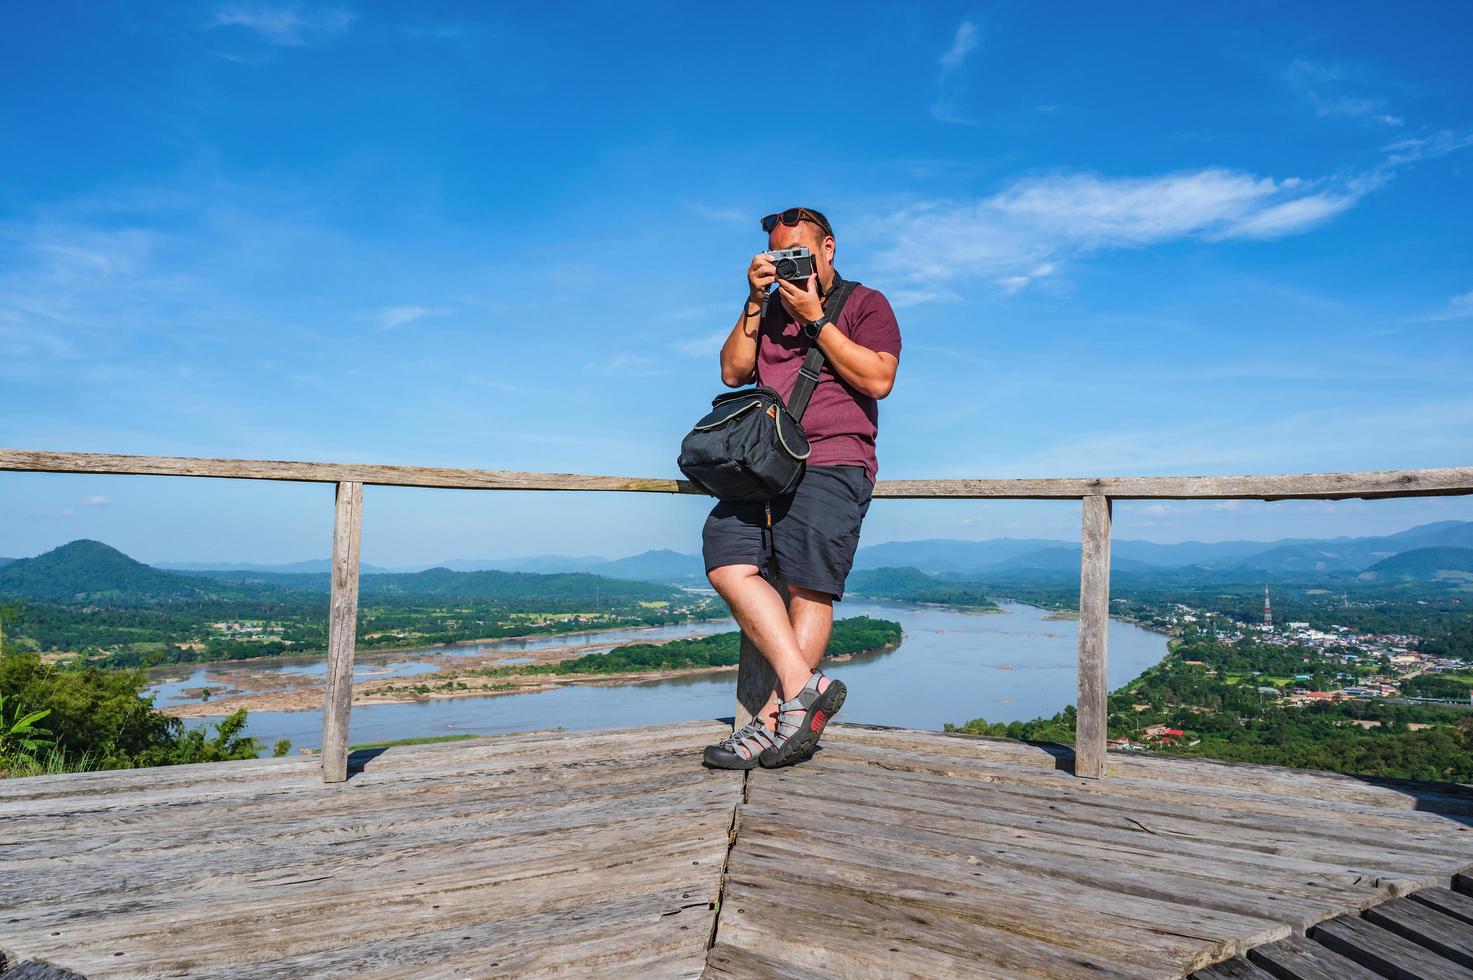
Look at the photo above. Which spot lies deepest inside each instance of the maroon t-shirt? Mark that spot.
(841, 421)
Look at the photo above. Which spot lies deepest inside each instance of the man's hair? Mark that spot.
(819, 229)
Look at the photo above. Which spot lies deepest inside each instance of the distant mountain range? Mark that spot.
(93, 572)
(1000, 559)
(1437, 552)
(316, 566)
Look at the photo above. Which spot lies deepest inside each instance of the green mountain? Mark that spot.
(90, 571)
(914, 585)
(442, 582)
(1424, 565)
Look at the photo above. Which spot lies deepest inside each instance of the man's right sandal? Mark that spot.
(801, 720)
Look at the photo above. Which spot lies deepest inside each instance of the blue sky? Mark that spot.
(1150, 239)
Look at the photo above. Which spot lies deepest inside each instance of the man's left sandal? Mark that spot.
(801, 720)
(741, 749)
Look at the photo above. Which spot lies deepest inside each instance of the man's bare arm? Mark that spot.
(739, 353)
(869, 371)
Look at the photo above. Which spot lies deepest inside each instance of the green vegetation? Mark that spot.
(1451, 687)
(422, 740)
(1425, 564)
(89, 571)
(858, 634)
(1190, 690)
(87, 718)
(913, 585)
(92, 600)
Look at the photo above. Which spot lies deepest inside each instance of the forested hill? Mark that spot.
(90, 571)
(914, 585)
(94, 573)
(1424, 565)
(444, 583)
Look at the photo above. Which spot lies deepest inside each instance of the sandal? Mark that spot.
(801, 720)
(741, 749)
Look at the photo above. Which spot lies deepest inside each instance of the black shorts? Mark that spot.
(815, 529)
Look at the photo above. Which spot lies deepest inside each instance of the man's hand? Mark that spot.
(803, 304)
(760, 275)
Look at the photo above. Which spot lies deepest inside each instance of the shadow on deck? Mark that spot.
(889, 853)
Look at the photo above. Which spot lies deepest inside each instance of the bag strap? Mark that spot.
(813, 361)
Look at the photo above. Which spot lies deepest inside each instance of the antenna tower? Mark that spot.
(1268, 610)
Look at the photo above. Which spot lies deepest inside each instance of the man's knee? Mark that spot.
(724, 577)
(812, 595)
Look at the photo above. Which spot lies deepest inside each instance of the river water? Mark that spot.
(951, 666)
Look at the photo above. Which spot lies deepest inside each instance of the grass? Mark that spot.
(421, 740)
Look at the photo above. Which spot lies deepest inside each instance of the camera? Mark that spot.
(793, 264)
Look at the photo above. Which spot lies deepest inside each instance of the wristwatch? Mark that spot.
(816, 327)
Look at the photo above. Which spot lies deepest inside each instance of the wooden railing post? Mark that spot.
(1091, 733)
(755, 676)
(342, 632)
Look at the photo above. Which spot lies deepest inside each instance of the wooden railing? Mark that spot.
(753, 680)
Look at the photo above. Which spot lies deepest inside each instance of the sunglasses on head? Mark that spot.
(794, 215)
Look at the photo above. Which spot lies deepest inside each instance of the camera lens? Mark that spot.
(786, 268)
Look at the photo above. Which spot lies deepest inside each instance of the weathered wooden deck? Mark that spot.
(890, 853)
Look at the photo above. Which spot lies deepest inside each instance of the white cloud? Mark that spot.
(629, 366)
(97, 501)
(949, 86)
(1460, 307)
(390, 317)
(1416, 149)
(1332, 90)
(702, 346)
(732, 216)
(285, 24)
(1022, 233)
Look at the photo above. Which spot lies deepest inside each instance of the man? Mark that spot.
(815, 528)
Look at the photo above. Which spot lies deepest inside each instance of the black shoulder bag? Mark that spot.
(751, 447)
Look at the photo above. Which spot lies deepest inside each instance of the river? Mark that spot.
(951, 666)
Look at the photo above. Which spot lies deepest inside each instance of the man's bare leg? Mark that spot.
(759, 611)
(812, 616)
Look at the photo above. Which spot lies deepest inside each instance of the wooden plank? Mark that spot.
(726, 960)
(342, 631)
(303, 472)
(846, 935)
(1438, 836)
(1296, 899)
(1080, 824)
(1297, 958)
(244, 863)
(31, 970)
(1447, 937)
(1299, 486)
(1231, 802)
(1091, 726)
(1385, 952)
(1053, 909)
(1446, 901)
(1236, 968)
(755, 677)
(919, 850)
(552, 847)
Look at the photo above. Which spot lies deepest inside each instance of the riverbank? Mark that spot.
(949, 666)
(483, 676)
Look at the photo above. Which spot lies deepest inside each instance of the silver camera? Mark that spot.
(793, 264)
